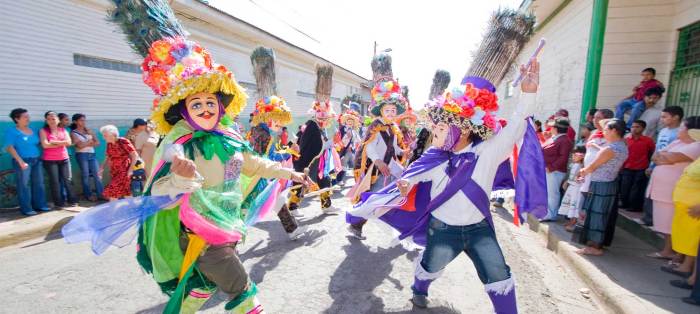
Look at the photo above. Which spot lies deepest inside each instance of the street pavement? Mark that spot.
(323, 272)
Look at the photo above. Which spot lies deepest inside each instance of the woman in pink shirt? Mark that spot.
(55, 140)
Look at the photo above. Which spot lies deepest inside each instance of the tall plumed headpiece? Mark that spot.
(173, 67)
(321, 107)
(470, 107)
(441, 80)
(507, 33)
(386, 90)
(269, 106)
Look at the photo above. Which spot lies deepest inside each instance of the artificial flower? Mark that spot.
(487, 100)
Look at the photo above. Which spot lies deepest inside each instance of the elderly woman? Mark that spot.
(670, 163)
(600, 206)
(121, 158)
(23, 145)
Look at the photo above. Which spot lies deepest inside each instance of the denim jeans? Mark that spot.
(88, 168)
(30, 186)
(58, 174)
(554, 181)
(636, 108)
(478, 241)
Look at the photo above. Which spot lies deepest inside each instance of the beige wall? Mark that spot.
(563, 62)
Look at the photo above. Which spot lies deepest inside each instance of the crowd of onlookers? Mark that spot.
(647, 163)
(51, 148)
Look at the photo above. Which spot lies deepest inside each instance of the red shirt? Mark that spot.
(640, 150)
(643, 87)
(556, 153)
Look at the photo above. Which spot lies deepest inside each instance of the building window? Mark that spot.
(509, 89)
(107, 64)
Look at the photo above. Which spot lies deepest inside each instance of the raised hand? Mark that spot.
(183, 167)
(531, 77)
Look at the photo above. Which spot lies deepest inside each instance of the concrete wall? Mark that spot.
(563, 62)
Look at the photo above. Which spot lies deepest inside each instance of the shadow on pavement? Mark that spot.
(352, 284)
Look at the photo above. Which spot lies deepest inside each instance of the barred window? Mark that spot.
(107, 64)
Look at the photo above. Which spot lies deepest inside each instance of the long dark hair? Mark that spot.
(46, 128)
(692, 122)
(75, 118)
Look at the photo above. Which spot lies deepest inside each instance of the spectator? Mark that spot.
(54, 140)
(671, 118)
(600, 205)
(686, 223)
(538, 130)
(570, 132)
(635, 103)
(145, 142)
(585, 132)
(64, 122)
(633, 179)
(284, 136)
(23, 145)
(670, 162)
(594, 144)
(570, 202)
(85, 142)
(121, 157)
(590, 115)
(647, 108)
(137, 127)
(556, 155)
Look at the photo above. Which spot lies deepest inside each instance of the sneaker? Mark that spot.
(331, 210)
(296, 234)
(356, 233)
(296, 213)
(420, 301)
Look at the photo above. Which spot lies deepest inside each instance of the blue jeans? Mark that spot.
(89, 167)
(30, 186)
(637, 107)
(554, 181)
(58, 176)
(478, 241)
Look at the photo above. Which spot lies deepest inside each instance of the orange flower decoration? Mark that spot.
(487, 100)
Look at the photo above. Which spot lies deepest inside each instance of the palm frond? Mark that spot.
(324, 82)
(263, 60)
(441, 80)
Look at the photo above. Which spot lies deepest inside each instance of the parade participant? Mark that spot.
(190, 219)
(317, 156)
(270, 114)
(378, 162)
(347, 137)
(407, 124)
(441, 80)
(446, 190)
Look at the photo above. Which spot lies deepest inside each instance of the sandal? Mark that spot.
(589, 251)
(673, 270)
(658, 255)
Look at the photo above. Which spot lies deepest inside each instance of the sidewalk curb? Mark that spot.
(616, 298)
(35, 229)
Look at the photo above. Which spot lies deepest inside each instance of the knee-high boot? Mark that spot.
(502, 295)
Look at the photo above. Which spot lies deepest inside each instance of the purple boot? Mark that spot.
(503, 296)
(420, 292)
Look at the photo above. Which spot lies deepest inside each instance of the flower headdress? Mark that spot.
(471, 107)
(322, 110)
(351, 113)
(272, 108)
(386, 90)
(409, 117)
(176, 68)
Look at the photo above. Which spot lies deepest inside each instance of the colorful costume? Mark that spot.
(317, 156)
(347, 138)
(447, 209)
(271, 113)
(188, 226)
(383, 140)
(407, 123)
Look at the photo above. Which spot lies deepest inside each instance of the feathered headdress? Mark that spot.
(472, 107)
(321, 107)
(269, 106)
(506, 35)
(441, 80)
(173, 67)
(386, 90)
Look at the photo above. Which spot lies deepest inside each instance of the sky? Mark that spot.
(423, 35)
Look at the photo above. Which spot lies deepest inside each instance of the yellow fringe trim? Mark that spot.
(281, 117)
(211, 82)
